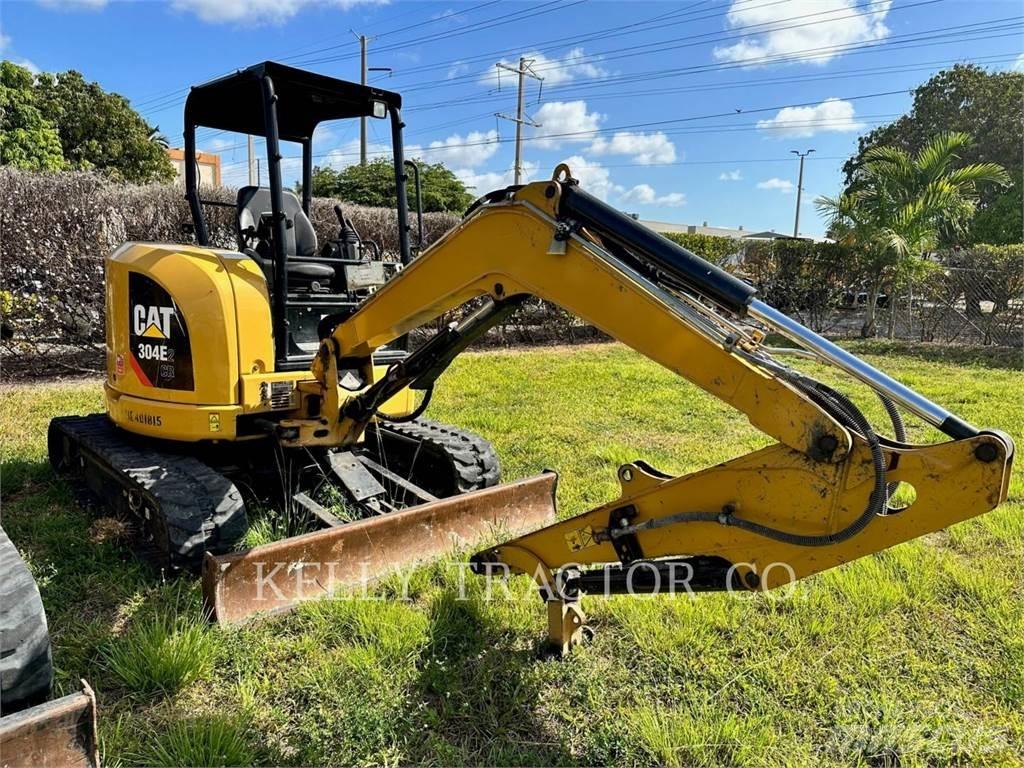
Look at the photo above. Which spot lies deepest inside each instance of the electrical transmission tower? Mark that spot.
(523, 71)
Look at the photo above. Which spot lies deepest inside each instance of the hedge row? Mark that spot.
(58, 228)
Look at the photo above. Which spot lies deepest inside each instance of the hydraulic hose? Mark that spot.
(844, 410)
(415, 414)
(899, 431)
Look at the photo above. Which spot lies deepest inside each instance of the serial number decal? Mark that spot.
(146, 419)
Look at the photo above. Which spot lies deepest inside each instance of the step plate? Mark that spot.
(276, 577)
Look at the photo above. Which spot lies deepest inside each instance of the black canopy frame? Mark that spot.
(282, 103)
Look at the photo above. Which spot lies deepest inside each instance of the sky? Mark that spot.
(686, 112)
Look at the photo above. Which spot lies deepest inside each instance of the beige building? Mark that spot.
(703, 229)
(208, 166)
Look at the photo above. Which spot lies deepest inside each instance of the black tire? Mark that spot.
(26, 666)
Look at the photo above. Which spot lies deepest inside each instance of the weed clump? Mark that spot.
(162, 655)
(214, 741)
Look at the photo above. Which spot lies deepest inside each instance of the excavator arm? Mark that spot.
(817, 498)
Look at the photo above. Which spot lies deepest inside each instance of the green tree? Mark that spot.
(374, 184)
(1000, 222)
(27, 139)
(987, 105)
(100, 131)
(899, 205)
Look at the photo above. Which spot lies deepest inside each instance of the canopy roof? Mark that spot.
(235, 102)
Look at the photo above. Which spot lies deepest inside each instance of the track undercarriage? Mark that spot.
(179, 506)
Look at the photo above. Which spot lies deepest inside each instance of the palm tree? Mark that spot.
(158, 138)
(900, 206)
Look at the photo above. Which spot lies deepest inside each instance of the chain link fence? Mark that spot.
(949, 304)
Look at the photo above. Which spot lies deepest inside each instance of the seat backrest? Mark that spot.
(254, 202)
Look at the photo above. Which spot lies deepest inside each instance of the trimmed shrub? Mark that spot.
(57, 229)
(715, 249)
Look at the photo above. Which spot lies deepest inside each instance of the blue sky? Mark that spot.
(679, 111)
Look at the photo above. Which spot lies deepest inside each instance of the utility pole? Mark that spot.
(253, 176)
(799, 189)
(524, 70)
(362, 120)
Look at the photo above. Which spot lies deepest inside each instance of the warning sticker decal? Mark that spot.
(161, 352)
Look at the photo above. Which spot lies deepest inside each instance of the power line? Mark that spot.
(699, 87)
(674, 43)
(816, 52)
(564, 42)
(159, 99)
(809, 53)
(648, 124)
(496, 21)
(312, 52)
(716, 129)
(589, 90)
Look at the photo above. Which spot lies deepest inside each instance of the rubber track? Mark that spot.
(201, 510)
(473, 458)
(26, 668)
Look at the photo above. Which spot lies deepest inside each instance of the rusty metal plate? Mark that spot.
(57, 734)
(277, 576)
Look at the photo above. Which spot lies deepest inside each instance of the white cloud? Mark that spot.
(644, 194)
(644, 148)
(555, 71)
(831, 116)
(219, 145)
(730, 175)
(641, 193)
(250, 11)
(73, 5)
(564, 117)
(1018, 65)
(782, 185)
(348, 154)
(672, 199)
(457, 151)
(456, 69)
(828, 23)
(5, 48)
(595, 178)
(488, 181)
(450, 16)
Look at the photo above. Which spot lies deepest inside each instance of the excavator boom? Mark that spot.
(818, 497)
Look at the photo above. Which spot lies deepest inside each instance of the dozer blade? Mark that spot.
(56, 734)
(275, 577)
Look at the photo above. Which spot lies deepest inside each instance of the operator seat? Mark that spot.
(299, 236)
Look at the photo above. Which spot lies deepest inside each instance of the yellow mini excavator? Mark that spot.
(284, 363)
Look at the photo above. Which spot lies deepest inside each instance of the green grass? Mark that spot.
(216, 741)
(163, 654)
(914, 656)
